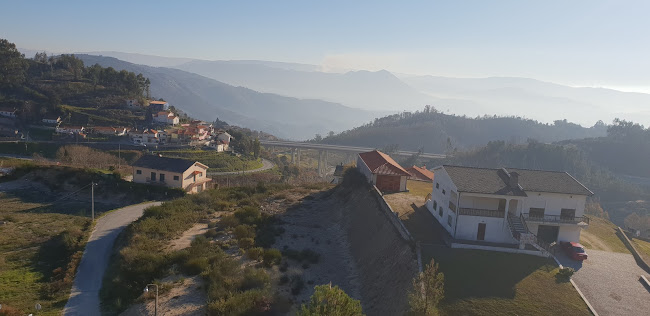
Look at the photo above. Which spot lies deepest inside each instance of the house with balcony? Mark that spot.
(188, 175)
(508, 207)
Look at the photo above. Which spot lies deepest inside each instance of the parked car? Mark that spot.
(574, 250)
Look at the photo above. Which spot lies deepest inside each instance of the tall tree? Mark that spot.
(428, 291)
(12, 64)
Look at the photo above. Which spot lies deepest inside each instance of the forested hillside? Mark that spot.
(38, 87)
(437, 132)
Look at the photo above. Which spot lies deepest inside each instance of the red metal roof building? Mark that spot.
(382, 171)
(420, 173)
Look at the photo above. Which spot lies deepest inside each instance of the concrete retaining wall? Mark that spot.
(392, 216)
(637, 256)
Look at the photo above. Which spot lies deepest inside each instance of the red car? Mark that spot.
(574, 250)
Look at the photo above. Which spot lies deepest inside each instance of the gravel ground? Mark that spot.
(610, 281)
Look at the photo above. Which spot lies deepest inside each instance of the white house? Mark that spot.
(146, 137)
(188, 175)
(8, 112)
(508, 205)
(165, 117)
(132, 103)
(53, 120)
(70, 129)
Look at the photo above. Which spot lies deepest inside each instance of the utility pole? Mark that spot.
(92, 198)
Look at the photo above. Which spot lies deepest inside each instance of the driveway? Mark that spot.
(610, 281)
(84, 297)
(266, 165)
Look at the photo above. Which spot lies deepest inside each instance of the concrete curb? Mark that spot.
(591, 308)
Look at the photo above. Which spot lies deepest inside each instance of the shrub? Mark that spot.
(248, 215)
(211, 233)
(256, 253)
(251, 302)
(244, 231)
(246, 243)
(328, 300)
(272, 257)
(284, 266)
(565, 273)
(228, 221)
(284, 279)
(195, 266)
(254, 278)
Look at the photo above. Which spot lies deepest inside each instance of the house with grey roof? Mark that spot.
(508, 207)
(188, 175)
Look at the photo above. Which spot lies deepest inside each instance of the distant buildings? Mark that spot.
(188, 175)
(8, 112)
(166, 117)
(158, 106)
(52, 120)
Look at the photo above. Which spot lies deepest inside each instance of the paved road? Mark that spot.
(84, 298)
(350, 149)
(266, 165)
(610, 281)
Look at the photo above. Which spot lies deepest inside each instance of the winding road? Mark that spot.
(84, 297)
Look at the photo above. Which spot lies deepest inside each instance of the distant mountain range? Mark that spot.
(385, 91)
(208, 99)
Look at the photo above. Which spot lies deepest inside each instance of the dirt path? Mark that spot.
(84, 297)
(595, 242)
(185, 240)
(185, 297)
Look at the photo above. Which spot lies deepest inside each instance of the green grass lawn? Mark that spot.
(491, 283)
(32, 246)
(216, 161)
(643, 247)
(419, 188)
(601, 235)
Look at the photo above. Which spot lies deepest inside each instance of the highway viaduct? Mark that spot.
(323, 150)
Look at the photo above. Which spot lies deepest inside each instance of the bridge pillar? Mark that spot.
(325, 169)
(298, 157)
(293, 155)
(320, 158)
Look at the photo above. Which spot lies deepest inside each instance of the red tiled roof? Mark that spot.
(157, 102)
(381, 163)
(420, 173)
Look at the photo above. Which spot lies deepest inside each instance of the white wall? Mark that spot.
(361, 166)
(567, 232)
(553, 203)
(444, 182)
(477, 202)
(496, 230)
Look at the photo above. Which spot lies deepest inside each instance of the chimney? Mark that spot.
(514, 179)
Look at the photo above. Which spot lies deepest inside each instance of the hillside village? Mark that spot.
(109, 191)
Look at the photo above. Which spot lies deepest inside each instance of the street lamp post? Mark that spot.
(146, 290)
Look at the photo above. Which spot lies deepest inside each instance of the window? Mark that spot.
(153, 176)
(175, 178)
(568, 214)
(437, 185)
(449, 220)
(452, 206)
(440, 211)
(162, 177)
(536, 212)
(435, 205)
(443, 192)
(138, 171)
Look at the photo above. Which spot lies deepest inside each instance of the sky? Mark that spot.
(579, 43)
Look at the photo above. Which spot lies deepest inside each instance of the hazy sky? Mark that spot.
(577, 42)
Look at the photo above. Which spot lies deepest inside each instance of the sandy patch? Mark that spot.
(186, 238)
(185, 297)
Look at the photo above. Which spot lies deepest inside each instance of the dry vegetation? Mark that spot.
(601, 235)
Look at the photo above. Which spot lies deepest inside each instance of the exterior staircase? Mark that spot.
(520, 232)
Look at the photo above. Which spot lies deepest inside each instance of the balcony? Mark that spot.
(481, 212)
(155, 181)
(555, 219)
